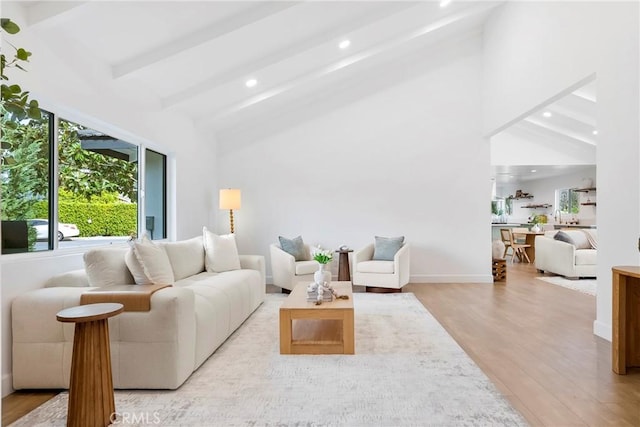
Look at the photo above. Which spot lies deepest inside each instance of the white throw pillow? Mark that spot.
(221, 252)
(149, 263)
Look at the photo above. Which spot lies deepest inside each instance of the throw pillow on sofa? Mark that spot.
(106, 267)
(221, 252)
(149, 263)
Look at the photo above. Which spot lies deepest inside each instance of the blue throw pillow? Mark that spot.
(385, 248)
(564, 237)
(294, 247)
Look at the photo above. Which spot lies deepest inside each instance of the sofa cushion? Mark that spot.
(294, 247)
(586, 257)
(186, 256)
(306, 267)
(106, 266)
(221, 252)
(74, 278)
(149, 263)
(385, 248)
(375, 267)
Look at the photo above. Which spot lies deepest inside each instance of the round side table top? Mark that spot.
(90, 312)
(344, 251)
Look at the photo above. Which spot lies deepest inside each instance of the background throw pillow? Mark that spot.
(221, 252)
(385, 248)
(563, 237)
(294, 247)
(149, 263)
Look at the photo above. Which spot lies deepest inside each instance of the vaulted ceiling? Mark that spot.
(568, 124)
(196, 57)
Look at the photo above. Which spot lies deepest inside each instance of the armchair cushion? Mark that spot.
(375, 267)
(386, 247)
(306, 267)
(295, 247)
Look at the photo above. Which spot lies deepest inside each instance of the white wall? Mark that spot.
(534, 51)
(408, 160)
(85, 95)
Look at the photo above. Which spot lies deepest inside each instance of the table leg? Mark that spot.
(285, 332)
(91, 401)
(348, 335)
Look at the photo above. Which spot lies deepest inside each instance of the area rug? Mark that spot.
(587, 286)
(407, 371)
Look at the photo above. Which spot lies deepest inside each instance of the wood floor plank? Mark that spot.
(532, 339)
(535, 341)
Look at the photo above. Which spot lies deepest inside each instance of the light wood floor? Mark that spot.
(534, 340)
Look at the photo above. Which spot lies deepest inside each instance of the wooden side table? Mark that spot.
(91, 401)
(344, 273)
(625, 348)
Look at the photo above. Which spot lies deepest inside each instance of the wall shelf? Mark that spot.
(584, 190)
(588, 204)
(530, 206)
(521, 197)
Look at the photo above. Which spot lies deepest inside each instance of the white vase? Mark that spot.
(536, 228)
(322, 276)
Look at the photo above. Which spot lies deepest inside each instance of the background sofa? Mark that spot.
(574, 259)
(157, 349)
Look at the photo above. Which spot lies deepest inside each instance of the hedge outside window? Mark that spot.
(97, 185)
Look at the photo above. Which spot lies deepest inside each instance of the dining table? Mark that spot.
(529, 239)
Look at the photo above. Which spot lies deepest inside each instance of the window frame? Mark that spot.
(142, 144)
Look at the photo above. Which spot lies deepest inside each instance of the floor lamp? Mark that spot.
(230, 199)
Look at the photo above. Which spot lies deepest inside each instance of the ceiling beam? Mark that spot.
(48, 12)
(556, 131)
(347, 62)
(198, 37)
(292, 50)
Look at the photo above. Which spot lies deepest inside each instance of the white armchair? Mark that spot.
(286, 271)
(381, 274)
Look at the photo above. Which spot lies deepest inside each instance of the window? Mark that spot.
(96, 187)
(568, 201)
(155, 178)
(25, 178)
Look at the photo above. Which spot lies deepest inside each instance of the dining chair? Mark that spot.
(518, 247)
(506, 239)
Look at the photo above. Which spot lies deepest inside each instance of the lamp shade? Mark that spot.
(230, 198)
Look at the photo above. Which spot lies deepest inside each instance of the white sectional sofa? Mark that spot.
(156, 349)
(573, 260)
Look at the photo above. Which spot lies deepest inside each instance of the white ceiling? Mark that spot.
(565, 123)
(193, 58)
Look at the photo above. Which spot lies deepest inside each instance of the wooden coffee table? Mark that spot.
(306, 328)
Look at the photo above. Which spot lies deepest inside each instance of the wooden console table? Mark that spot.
(625, 349)
(91, 401)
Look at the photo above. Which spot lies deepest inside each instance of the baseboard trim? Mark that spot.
(451, 278)
(435, 278)
(7, 384)
(603, 330)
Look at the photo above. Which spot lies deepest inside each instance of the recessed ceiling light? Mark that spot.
(547, 114)
(445, 3)
(595, 131)
(533, 171)
(344, 44)
(251, 83)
